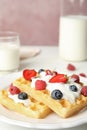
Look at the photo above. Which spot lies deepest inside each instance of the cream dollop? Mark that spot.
(26, 102)
(63, 87)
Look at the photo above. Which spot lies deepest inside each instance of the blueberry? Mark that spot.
(73, 88)
(56, 94)
(41, 70)
(22, 96)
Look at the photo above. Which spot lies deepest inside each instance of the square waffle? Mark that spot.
(65, 107)
(34, 109)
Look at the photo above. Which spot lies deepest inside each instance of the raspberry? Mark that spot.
(28, 74)
(40, 85)
(58, 78)
(84, 91)
(71, 67)
(76, 77)
(14, 90)
(82, 74)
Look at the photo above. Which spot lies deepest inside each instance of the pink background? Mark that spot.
(37, 21)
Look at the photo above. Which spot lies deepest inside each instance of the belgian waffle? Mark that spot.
(62, 107)
(43, 101)
(35, 109)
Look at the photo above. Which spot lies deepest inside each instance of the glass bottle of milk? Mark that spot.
(73, 30)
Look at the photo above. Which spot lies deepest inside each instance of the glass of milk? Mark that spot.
(73, 30)
(9, 52)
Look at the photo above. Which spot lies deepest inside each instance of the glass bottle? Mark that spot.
(73, 30)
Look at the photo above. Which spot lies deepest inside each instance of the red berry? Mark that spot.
(71, 67)
(82, 74)
(14, 90)
(58, 78)
(28, 74)
(84, 91)
(40, 85)
(48, 72)
(76, 78)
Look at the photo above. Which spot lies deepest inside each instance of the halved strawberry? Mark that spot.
(71, 67)
(82, 74)
(59, 78)
(48, 72)
(28, 74)
(76, 78)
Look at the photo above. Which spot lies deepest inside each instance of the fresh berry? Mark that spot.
(40, 85)
(14, 90)
(28, 74)
(22, 96)
(71, 67)
(41, 70)
(73, 88)
(48, 72)
(58, 78)
(56, 94)
(84, 91)
(82, 74)
(76, 78)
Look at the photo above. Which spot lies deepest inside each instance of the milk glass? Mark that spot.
(73, 30)
(9, 52)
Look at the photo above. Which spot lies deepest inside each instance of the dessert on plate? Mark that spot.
(64, 94)
(59, 93)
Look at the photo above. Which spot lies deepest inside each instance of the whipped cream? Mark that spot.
(63, 87)
(26, 102)
(42, 77)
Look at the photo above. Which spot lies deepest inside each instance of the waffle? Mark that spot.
(35, 109)
(63, 107)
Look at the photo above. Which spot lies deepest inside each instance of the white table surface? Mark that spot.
(48, 58)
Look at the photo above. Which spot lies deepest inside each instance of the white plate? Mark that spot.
(50, 122)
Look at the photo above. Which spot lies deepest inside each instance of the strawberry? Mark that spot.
(84, 91)
(82, 74)
(14, 90)
(58, 78)
(48, 72)
(28, 74)
(40, 85)
(76, 78)
(71, 67)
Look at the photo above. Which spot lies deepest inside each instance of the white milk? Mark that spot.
(9, 57)
(73, 38)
